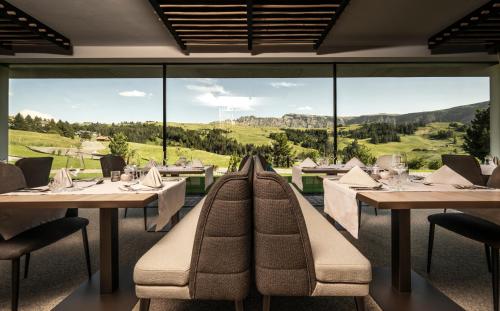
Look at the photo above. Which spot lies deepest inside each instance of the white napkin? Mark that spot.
(151, 163)
(153, 179)
(447, 176)
(197, 163)
(308, 163)
(63, 179)
(358, 177)
(354, 162)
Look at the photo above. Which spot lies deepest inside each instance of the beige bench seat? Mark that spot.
(168, 262)
(336, 260)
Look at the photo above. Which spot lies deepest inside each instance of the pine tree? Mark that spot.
(18, 123)
(118, 145)
(477, 135)
(282, 151)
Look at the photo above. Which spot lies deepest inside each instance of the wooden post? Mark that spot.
(4, 113)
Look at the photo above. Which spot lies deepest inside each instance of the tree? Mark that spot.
(18, 123)
(477, 135)
(354, 149)
(281, 151)
(234, 162)
(118, 145)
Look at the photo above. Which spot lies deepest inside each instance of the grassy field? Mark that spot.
(416, 146)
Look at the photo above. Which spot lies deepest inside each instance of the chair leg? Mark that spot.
(376, 211)
(360, 303)
(488, 256)
(238, 305)
(144, 304)
(87, 252)
(494, 270)
(125, 214)
(146, 218)
(430, 245)
(266, 303)
(26, 265)
(15, 283)
(360, 206)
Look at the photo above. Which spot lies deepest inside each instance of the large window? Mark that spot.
(220, 113)
(423, 111)
(73, 114)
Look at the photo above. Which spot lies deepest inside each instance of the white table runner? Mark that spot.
(341, 204)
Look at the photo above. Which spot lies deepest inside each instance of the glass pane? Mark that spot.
(218, 114)
(417, 110)
(72, 118)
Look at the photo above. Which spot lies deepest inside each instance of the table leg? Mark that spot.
(108, 223)
(401, 250)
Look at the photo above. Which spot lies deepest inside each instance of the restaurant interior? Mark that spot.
(249, 155)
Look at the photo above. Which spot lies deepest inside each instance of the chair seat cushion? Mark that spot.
(469, 226)
(336, 260)
(40, 236)
(168, 262)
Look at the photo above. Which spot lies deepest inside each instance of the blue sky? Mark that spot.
(206, 100)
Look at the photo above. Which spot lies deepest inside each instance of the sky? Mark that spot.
(205, 100)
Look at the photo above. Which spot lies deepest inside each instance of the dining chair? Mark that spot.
(37, 237)
(479, 225)
(36, 171)
(465, 165)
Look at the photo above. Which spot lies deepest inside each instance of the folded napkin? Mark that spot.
(151, 163)
(153, 179)
(307, 163)
(447, 176)
(354, 162)
(197, 163)
(358, 177)
(63, 179)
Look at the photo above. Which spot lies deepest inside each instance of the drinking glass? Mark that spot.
(115, 176)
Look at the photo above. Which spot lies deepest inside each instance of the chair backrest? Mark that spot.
(494, 180)
(221, 258)
(284, 263)
(111, 163)
(36, 170)
(465, 165)
(11, 178)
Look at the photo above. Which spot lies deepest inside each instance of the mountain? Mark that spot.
(462, 114)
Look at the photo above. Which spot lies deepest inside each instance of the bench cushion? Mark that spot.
(336, 260)
(167, 263)
(469, 226)
(40, 236)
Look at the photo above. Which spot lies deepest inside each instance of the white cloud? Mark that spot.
(134, 93)
(234, 103)
(305, 108)
(213, 88)
(34, 113)
(201, 80)
(284, 84)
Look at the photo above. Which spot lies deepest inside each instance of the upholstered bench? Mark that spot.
(207, 255)
(297, 251)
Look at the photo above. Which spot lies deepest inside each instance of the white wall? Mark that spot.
(4, 112)
(495, 110)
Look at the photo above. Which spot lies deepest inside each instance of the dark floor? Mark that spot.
(459, 266)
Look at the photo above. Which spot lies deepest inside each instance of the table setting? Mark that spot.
(340, 192)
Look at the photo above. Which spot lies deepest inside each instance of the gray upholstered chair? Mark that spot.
(36, 237)
(480, 225)
(465, 165)
(207, 255)
(297, 251)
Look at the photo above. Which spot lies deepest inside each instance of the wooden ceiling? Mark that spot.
(477, 32)
(22, 33)
(250, 23)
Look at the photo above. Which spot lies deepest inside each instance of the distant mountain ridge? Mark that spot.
(462, 114)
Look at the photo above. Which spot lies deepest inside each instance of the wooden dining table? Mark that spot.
(108, 205)
(400, 288)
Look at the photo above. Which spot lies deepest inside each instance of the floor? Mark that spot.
(459, 266)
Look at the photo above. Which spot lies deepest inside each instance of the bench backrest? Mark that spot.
(283, 258)
(221, 259)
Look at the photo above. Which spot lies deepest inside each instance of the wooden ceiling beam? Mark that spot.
(166, 22)
(250, 24)
(334, 18)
